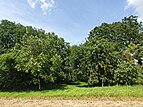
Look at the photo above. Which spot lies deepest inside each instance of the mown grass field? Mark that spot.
(79, 91)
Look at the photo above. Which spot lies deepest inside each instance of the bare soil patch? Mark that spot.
(89, 102)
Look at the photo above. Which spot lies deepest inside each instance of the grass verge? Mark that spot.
(79, 91)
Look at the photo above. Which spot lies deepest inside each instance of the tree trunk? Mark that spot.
(39, 86)
(39, 83)
(102, 82)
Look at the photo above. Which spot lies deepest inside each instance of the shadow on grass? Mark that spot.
(35, 88)
(84, 86)
(45, 87)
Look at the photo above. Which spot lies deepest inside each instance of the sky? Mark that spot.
(69, 19)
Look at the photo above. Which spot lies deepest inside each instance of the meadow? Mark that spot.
(78, 91)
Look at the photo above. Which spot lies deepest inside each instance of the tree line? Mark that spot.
(111, 55)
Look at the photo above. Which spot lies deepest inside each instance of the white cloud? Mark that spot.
(45, 5)
(138, 6)
(32, 3)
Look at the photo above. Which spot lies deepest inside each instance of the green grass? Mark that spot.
(79, 91)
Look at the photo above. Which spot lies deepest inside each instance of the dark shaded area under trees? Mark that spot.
(111, 55)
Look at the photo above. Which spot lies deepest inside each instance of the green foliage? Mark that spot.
(103, 60)
(74, 64)
(40, 56)
(134, 53)
(10, 78)
(112, 45)
(123, 33)
(126, 73)
(30, 57)
(10, 34)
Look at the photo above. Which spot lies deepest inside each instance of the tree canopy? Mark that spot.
(30, 57)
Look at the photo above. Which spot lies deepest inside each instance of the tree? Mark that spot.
(40, 56)
(134, 54)
(103, 61)
(126, 73)
(10, 78)
(123, 33)
(107, 43)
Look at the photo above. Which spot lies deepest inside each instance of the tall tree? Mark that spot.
(125, 32)
(103, 61)
(41, 57)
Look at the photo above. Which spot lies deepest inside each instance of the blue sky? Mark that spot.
(69, 19)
